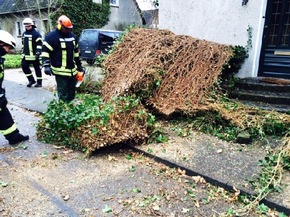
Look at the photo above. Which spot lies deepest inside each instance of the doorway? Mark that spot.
(275, 51)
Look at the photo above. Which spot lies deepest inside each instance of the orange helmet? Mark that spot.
(65, 21)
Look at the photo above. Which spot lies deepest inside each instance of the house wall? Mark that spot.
(222, 21)
(123, 15)
(9, 23)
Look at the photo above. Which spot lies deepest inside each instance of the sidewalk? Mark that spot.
(33, 99)
(221, 163)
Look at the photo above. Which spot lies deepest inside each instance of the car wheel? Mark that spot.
(90, 62)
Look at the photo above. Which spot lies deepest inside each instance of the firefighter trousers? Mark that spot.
(27, 71)
(7, 125)
(66, 87)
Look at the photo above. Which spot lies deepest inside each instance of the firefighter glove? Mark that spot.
(80, 69)
(47, 70)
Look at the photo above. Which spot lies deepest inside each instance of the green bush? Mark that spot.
(84, 14)
(63, 122)
(240, 53)
(12, 61)
(61, 119)
(227, 77)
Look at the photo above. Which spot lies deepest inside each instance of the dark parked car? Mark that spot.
(93, 42)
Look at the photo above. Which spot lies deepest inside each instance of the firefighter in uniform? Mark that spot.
(7, 126)
(31, 45)
(60, 57)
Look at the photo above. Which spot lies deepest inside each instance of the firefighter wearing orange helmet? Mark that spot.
(60, 57)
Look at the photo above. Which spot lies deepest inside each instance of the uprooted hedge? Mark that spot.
(167, 73)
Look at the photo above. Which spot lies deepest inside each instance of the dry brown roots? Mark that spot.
(186, 68)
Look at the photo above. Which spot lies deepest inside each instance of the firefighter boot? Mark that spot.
(31, 82)
(15, 138)
(38, 84)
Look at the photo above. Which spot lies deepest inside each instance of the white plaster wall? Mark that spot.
(222, 21)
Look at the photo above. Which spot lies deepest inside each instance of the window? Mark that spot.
(114, 3)
(18, 28)
(46, 25)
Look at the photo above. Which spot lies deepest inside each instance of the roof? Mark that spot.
(14, 6)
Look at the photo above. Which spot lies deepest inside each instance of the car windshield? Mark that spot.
(90, 35)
